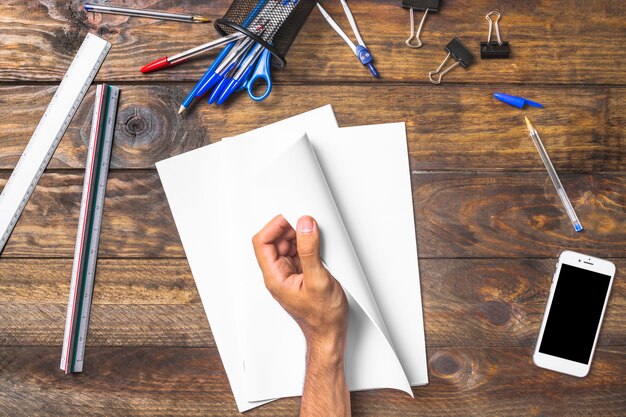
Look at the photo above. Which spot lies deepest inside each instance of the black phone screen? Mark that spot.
(575, 313)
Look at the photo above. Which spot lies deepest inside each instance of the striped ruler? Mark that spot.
(49, 132)
(89, 222)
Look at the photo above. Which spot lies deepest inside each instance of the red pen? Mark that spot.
(167, 62)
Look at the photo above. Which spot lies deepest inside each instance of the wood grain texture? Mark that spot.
(498, 215)
(504, 215)
(132, 282)
(476, 302)
(489, 225)
(551, 44)
(463, 129)
(190, 382)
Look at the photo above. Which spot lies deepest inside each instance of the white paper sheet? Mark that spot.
(193, 182)
(242, 157)
(274, 344)
(375, 199)
(217, 206)
(294, 185)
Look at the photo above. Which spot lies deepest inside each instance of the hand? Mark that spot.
(295, 276)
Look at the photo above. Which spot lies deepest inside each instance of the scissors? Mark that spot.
(246, 77)
(261, 72)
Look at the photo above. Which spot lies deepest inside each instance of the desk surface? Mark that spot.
(488, 222)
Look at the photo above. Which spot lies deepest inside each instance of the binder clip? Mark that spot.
(459, 52)
(426, 6)
(494, 50)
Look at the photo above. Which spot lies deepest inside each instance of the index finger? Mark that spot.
(264, 241)
(276, 228)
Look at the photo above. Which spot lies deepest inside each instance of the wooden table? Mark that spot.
(489, 224)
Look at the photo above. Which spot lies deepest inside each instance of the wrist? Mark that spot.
(326, 350)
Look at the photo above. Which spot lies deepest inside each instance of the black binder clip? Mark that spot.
(458, 51)
(494, 50)
(426, 6)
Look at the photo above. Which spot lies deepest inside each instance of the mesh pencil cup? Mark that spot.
(272, 23)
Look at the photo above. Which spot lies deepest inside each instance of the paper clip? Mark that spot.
(427, 6)
(494, 50)
(458, 51)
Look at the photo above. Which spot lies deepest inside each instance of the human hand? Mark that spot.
(295, 276)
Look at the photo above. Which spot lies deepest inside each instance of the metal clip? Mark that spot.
(458, 51)
(414, 34)
(494, 50)
(430, 74)
(493, 23)
(427, 6)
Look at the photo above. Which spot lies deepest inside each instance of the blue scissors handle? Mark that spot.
(261, 72)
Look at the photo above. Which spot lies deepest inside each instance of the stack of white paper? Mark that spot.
(355, 182)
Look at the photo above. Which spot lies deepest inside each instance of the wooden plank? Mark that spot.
(120, 282)
(497, 302)
(467, 302)
(464, 129)
(517, 215)
(109, 325)
(487, 215)
(137, 221)
(176, 382)
(40, 38)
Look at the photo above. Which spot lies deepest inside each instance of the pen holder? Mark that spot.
(272, 23)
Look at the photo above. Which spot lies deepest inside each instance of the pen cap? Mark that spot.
(272, 23)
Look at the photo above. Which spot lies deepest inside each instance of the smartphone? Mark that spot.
(571, 324)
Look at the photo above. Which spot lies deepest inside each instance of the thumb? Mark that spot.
(308, 244)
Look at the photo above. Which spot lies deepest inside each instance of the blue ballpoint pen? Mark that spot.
(192, 94)
(242, 74)
(220, 84)
(223, 77)
(215, 76)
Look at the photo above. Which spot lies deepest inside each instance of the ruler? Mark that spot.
(89, 222)
(49, 132)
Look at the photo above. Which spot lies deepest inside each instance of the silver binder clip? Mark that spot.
(426, 6)
(459, 52)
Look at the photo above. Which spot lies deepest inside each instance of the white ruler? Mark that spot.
(49, 132)
(89, 222)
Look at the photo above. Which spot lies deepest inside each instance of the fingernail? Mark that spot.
(305, 224)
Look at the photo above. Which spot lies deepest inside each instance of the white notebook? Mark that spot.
(356, 183)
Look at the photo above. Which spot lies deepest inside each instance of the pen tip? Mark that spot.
(201, 19)
(181, 109)
(529, 124)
